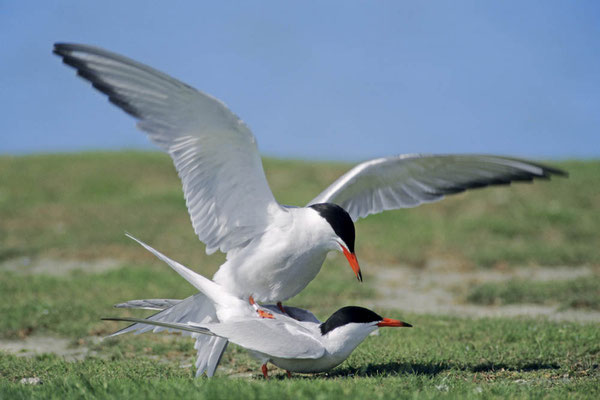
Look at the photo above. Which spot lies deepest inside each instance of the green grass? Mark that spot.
(439, 357)
(72, 305)
(77, 207)
(576, 293)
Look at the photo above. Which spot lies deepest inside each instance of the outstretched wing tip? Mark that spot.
(59, 48)
(408, 180)
(552, 171)
(213, 150)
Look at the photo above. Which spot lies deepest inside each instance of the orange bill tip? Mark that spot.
(393, 323)
(353, 262)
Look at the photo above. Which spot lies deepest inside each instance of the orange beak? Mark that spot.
(393, 323)
(353, 262)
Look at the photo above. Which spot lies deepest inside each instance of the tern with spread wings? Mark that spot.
(273, 251)
(294, 340)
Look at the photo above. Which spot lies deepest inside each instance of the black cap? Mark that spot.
(347, 315)
(340, 221)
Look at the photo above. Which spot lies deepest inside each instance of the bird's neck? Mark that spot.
(343, 340)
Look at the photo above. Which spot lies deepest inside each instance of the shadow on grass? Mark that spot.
(397, 368)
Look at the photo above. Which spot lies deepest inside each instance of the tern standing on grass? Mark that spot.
(273, 251)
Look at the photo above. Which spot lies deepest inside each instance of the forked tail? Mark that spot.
(199, 308)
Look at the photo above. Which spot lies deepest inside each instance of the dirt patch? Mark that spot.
(48, 266)
(35, 345)
(439, 288)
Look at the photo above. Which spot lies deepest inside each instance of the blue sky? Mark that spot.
(344, 80)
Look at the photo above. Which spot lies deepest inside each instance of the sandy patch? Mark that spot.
(55, 267)
(439, 288)
(35, 345)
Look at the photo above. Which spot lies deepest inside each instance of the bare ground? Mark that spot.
(57, 267)
(35, 345)
(440, 288)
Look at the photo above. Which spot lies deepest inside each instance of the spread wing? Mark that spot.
(409, 180)
(214, 152)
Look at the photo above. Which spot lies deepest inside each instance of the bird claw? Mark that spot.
(265, 314)
(261, 313)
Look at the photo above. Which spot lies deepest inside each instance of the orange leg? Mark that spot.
(265, 371)
(280, 306)
(289, 374)
(265, 314)
(261, 313)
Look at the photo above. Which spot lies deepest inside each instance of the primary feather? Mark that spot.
(412, 179)
(214, 152)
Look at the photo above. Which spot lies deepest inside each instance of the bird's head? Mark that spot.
(349, 326)
(361, 317)
(342, 232)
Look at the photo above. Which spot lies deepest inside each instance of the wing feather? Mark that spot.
(412, 179)
(214, 152)
(275, 338)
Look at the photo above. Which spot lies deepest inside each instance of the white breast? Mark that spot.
(338, 345)
(281, 262)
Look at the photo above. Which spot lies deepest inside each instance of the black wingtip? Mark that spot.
(549, 171)
(557, 172)
(60, 49)
(66, 50)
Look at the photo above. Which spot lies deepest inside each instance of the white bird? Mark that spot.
(295, 340)
(273, 251)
